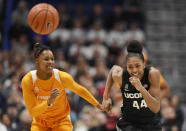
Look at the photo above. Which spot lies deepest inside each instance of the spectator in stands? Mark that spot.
(86, 119)
(100, 73)
(169, 118)
(80, 13)
(86, 80)
(61, 35)
(64, 16)
(25, 121)
(78, 31)
(174, 102)
(81, 67)
(97, 49)
(135, 33)
(134, 13)
(117, 16)
(106, 125)
(20, 12)
(17, 29)
(12, 112)
(22, 46)
(3, 127)
(98, 15)
(117, 35)
(7, 122)
(78, 48)
(96, 31)
(1, 38)
(3, 101)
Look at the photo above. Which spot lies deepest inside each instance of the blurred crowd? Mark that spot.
(86, 44)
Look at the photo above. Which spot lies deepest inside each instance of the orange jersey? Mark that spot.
(36, 93)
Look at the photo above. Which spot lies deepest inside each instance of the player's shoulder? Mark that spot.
(117, 67)
(27, 81)
(64, 75)
(27, 77)
(154, 71)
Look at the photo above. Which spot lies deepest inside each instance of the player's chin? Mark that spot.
(137, 76)
(49, 70)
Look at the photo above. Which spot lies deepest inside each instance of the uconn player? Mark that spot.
(140, 87)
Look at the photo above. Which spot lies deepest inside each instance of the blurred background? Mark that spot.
(90, 39)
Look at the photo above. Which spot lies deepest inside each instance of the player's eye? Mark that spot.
(46, 59)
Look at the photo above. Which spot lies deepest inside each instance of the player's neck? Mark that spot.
(43, 75)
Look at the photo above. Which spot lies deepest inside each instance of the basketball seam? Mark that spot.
(44, 20)
(53, 20)
(36, 16)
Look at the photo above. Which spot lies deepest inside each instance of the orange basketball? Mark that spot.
(43, 18)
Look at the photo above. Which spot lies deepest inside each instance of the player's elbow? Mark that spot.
(167, 91)
(33, 113)
(156, 109)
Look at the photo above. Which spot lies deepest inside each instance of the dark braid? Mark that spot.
(39, 48)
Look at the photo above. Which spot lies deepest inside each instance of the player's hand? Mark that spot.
(100, 107)
(135, 81)
(53, 95)
(107, 105)
(117, 72)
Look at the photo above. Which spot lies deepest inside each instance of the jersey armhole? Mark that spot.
(34, 77)
(56, 75)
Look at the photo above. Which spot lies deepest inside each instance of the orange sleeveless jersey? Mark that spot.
(35, 96)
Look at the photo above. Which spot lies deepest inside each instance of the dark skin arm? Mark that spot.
(165, 90)
(114, 77)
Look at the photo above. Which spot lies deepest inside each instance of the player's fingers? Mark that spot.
(55, 94)
(109, 111)
(130, 80)
(55, 90)
(104, 104)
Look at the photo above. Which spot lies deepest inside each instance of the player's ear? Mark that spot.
(144, 65)
(36, 60)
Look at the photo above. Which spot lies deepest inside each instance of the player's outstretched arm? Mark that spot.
(69, 83)
(114, 76)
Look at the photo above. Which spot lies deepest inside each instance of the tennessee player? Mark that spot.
(164, 87)
(44, 93)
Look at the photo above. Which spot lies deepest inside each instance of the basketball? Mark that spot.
(43, 18)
